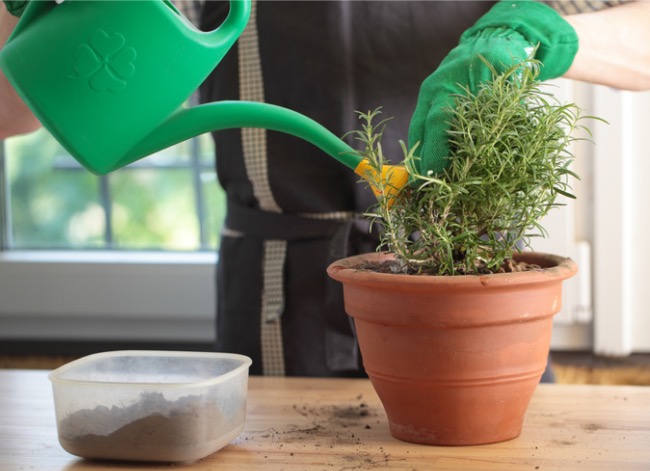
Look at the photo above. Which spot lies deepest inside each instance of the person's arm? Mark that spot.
(15, 116)
(614, 46)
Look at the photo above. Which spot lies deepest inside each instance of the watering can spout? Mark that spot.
(386, 182)
(216, 116)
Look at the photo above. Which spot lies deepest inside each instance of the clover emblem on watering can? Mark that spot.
(108, 79)
(105, 61)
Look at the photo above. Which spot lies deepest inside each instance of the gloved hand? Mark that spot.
(15, 7)
(505, 35)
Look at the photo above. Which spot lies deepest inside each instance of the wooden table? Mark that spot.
(325, 424)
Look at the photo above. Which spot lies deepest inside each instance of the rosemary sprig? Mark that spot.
(509, 161)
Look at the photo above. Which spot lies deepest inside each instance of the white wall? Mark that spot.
(621, 222)
(605, 230)
(569, 235)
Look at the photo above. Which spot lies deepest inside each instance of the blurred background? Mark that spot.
(92, 263)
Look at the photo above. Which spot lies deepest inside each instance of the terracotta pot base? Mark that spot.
(425, 436)
(423, 414)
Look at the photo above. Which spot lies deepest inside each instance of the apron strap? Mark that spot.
(267, 225)
(251, 86)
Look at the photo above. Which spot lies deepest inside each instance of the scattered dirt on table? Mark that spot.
(326, 426)
(591, 427)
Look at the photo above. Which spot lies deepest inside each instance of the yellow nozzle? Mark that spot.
(392, 179)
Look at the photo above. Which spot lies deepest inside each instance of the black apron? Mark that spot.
(293, 214)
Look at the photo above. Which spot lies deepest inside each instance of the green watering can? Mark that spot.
(108, 79)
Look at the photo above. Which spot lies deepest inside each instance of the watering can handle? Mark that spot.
(222, 37)
(228, 32)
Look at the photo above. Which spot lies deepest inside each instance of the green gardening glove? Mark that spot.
(505, 35)
(15, 7)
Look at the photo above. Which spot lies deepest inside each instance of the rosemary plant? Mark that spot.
(509, 160)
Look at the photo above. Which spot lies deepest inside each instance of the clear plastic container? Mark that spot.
(150, 405)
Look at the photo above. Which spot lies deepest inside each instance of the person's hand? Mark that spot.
(505, 35)
(15, 115)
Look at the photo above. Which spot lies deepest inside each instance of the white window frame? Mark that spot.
(107, 295)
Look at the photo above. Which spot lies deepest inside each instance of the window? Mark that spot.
(127, 256)
(167, 201)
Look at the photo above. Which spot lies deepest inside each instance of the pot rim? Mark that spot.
(555, 268)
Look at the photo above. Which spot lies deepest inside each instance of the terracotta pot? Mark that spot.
(454, 360)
